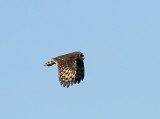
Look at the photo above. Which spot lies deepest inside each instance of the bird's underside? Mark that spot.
(70, 68)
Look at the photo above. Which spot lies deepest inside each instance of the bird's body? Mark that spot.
(70, 68)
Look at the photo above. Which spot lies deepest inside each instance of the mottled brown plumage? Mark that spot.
(70, 68)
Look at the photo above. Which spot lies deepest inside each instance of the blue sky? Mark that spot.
(121, 44)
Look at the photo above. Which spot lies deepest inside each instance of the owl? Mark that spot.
(70, 68)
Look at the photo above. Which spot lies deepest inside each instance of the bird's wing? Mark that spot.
(66, 70)
(79, 71)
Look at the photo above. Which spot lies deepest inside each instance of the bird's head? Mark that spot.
(81, 56)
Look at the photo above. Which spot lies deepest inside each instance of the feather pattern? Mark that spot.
(70, 68)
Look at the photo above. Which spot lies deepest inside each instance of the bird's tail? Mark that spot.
(50, 63)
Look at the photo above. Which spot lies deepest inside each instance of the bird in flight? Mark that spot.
(70, 68)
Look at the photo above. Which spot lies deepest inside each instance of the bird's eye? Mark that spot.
(82, 55)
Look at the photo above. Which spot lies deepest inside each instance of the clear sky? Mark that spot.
(121, 43)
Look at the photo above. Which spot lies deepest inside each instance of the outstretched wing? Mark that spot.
(70, 70)
(66, 70)
(79, 71)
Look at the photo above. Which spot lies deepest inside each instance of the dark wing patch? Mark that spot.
(79, 72)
